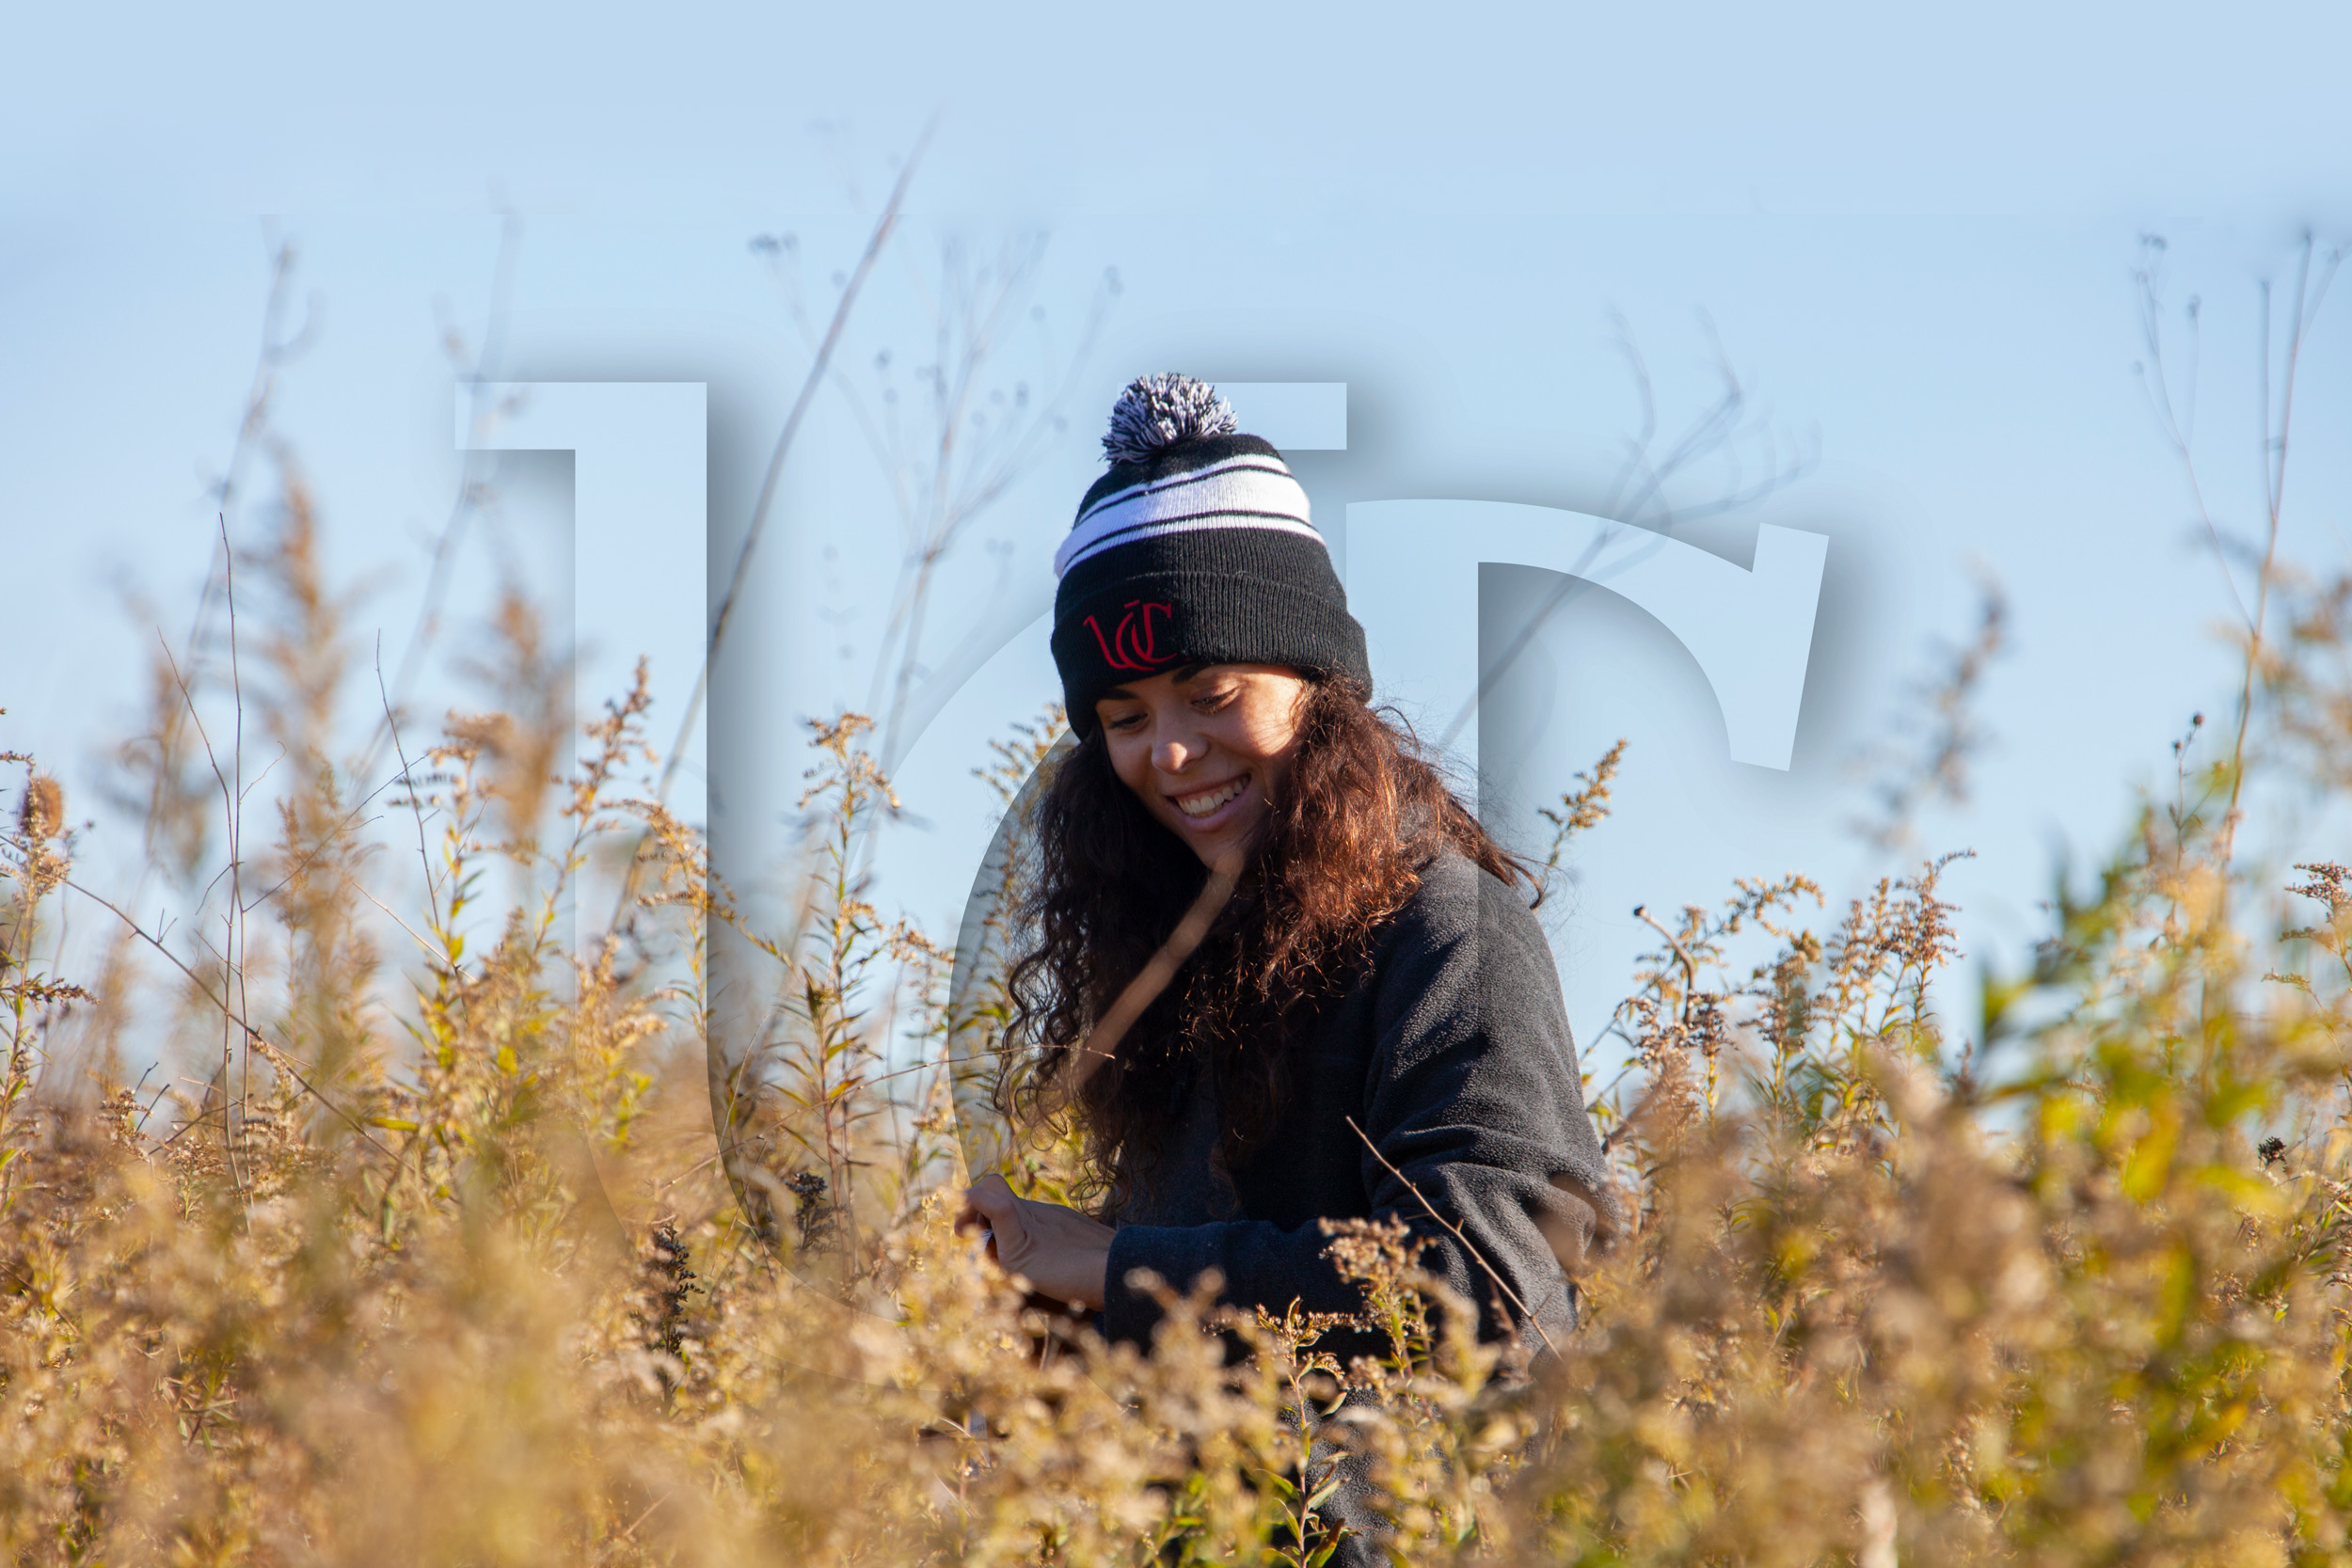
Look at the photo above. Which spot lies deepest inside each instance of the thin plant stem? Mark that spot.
(1468, 1245)
(278, 1059)
(237, 917)
(769, 481)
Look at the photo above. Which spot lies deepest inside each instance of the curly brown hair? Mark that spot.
(1360, 813)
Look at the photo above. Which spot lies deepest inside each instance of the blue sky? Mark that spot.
(1912, 236)
(1273, 110)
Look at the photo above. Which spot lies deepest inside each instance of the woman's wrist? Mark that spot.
(1102, 1283)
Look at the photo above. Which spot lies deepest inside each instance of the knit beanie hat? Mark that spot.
(1195, 549)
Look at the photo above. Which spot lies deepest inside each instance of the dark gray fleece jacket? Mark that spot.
(1451, 1053)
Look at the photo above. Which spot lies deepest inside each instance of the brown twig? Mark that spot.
(1102, 1042)
(760, 507)
(472, 374)
(416, 808)
(2274, 495)
(232, 805)
(1468, 1245)
(277, 1057)
(239, 927)
(1689, 969)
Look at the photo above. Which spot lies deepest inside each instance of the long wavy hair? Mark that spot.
(1361, 812)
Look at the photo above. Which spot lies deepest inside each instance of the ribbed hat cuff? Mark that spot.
(1134, 627)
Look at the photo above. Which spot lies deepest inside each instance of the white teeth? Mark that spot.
(1201, 806)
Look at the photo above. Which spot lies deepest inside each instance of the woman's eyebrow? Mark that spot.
(1186, 674)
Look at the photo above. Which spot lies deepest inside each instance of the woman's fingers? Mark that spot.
(1058, 1249)
(990, 1204)
(986, 1202)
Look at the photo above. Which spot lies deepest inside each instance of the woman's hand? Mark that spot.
(1060, 1252)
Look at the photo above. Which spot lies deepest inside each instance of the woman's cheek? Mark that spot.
(1131, 761)
(1273, 728)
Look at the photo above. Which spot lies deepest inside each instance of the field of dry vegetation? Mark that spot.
(438, 1237)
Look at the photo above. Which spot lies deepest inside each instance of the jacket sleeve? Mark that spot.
(1473, 1094)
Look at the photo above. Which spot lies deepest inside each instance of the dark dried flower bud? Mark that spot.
(42, 815)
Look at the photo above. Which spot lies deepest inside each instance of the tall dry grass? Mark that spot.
(454, 1239)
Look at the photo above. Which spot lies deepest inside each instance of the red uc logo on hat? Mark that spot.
(1132, 644)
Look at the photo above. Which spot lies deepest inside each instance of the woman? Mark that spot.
(1372, 1005)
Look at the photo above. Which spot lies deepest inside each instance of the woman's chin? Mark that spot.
(1220, 840)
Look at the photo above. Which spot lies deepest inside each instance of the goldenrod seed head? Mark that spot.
(41, 814)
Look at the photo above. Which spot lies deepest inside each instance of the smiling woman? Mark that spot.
(1282, 976)
(1204, 748)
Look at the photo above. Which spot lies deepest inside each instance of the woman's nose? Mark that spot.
(1176, 751)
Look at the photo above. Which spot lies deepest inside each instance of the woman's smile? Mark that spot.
(1203, 807)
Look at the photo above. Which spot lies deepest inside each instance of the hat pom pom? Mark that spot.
(1157, 411)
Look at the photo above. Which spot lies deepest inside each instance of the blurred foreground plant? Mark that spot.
(487, 1296)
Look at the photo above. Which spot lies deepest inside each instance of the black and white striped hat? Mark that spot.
(1196, 547)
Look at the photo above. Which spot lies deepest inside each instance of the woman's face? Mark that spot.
(1204, 748)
